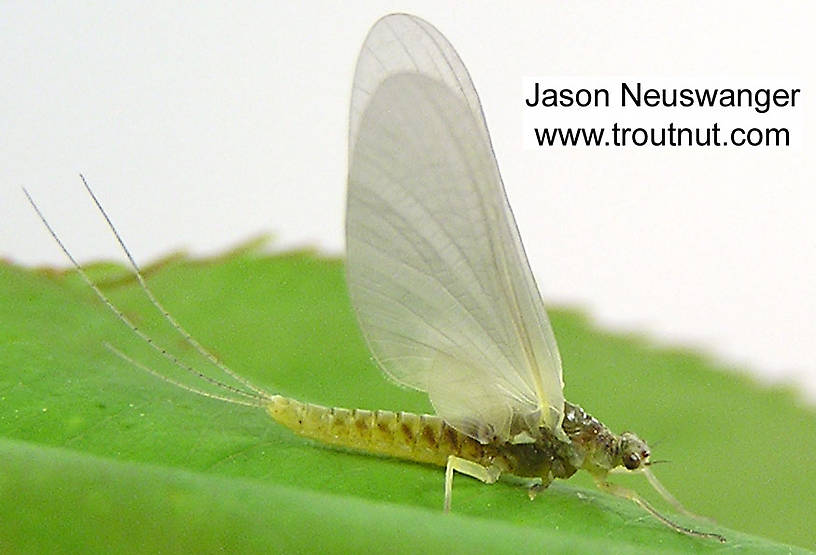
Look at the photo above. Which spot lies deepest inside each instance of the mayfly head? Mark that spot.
(634, 453)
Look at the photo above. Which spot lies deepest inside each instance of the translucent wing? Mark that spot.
(436, 269)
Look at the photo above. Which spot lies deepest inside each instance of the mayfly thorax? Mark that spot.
(442, 289)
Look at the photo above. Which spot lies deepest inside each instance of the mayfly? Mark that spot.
(442, 290)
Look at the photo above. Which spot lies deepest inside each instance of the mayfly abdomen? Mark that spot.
(418, 437)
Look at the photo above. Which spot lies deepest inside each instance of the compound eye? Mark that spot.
(631, 461)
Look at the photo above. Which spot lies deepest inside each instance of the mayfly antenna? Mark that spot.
(125, 320)
(188, 338)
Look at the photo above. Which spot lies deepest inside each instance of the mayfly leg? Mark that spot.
(664, 493)
(487, 474)
(625, 493)
(126, 321)
(188, 338)
(667, 495)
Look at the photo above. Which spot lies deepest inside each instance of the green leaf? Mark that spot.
(98, 455)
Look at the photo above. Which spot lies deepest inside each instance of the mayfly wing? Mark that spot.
(436, 269)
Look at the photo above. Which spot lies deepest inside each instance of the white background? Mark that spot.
(203, 125)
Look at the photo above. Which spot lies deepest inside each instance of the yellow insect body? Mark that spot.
(442, 289)
(422, 438)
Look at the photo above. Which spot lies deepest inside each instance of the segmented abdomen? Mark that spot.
(406, 435)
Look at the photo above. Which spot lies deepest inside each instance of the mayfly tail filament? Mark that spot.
(255, 395)
(188, 338)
